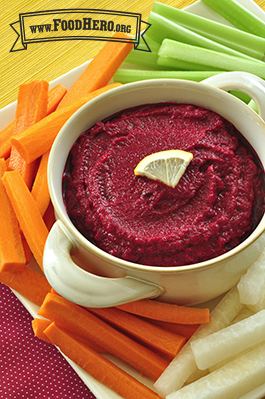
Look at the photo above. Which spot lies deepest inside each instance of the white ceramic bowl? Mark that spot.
(104, 280)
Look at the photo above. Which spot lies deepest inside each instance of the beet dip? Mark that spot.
(216, 204)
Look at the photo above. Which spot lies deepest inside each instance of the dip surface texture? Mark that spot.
(210, 211)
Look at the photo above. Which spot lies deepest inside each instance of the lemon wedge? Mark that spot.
(165, 166)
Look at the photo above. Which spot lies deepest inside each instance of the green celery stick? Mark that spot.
(242, 96)
(236, 39)
(143, 58)
(173, 50)
(133, 75)
(253, 105)
(162, 28)
(238, 16)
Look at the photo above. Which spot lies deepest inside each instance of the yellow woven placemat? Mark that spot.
(52, 59)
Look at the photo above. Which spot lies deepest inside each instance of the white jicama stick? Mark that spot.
(183, 366)
(231, 381)
(223, 362)
(243, 314)
(229, 341)
(251, 286)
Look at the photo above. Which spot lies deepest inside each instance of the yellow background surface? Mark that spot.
(51, 59)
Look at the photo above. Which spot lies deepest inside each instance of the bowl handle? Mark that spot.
(244, 82)
(82, 287)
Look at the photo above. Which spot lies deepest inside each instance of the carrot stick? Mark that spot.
(27, 213)
(100, 70)
(38, 326)
(187, 330)
(31, 108)
(38, 139)
(163, 311)
(82, 323)
(27, 250)
(159, 340)
(29, 283)
(12, 256)
(96, 365)
(55, 95)
(5, 144)
(40, 190)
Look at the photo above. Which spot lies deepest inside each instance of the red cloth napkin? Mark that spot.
(29, 367)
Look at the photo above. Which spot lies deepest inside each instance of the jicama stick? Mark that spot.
(100, 70)
(243, 42)
(27, 213)
(132, 75)
(159, 340)
(163, 311)
(38, 326)
(55, 95)
(162, 28)
(229, 341)
(82, 323)
(40, 190)
(12, 256)
(171, 52)
(230, 381)
(183, 366)
(38, 139)
(31, 108)
(29, 283)
(238, 16)
(251, 286)
(96, 365)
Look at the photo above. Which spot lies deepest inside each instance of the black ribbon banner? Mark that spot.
(78, 24)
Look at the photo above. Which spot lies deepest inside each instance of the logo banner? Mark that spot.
(78, 24)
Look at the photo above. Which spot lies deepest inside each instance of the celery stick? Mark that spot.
(242, 96)
(133, 75)
(238, 16)
(236, 39)
(172, 50)
(175, 63)
(253, 105)
(162, 28)
(143, 58)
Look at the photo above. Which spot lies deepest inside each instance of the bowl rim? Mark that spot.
(63, 216)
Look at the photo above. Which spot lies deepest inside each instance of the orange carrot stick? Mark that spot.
(27, 213)
(163, 311)
(96, 365)
(31, 108)
(38, 326)
(159, 340)
(40, 190)
(81, 322)
(187, 330)
(100, 70)
(29, 283)
(12, 256)
(5, 144)
(38, 139)
(55, 95)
